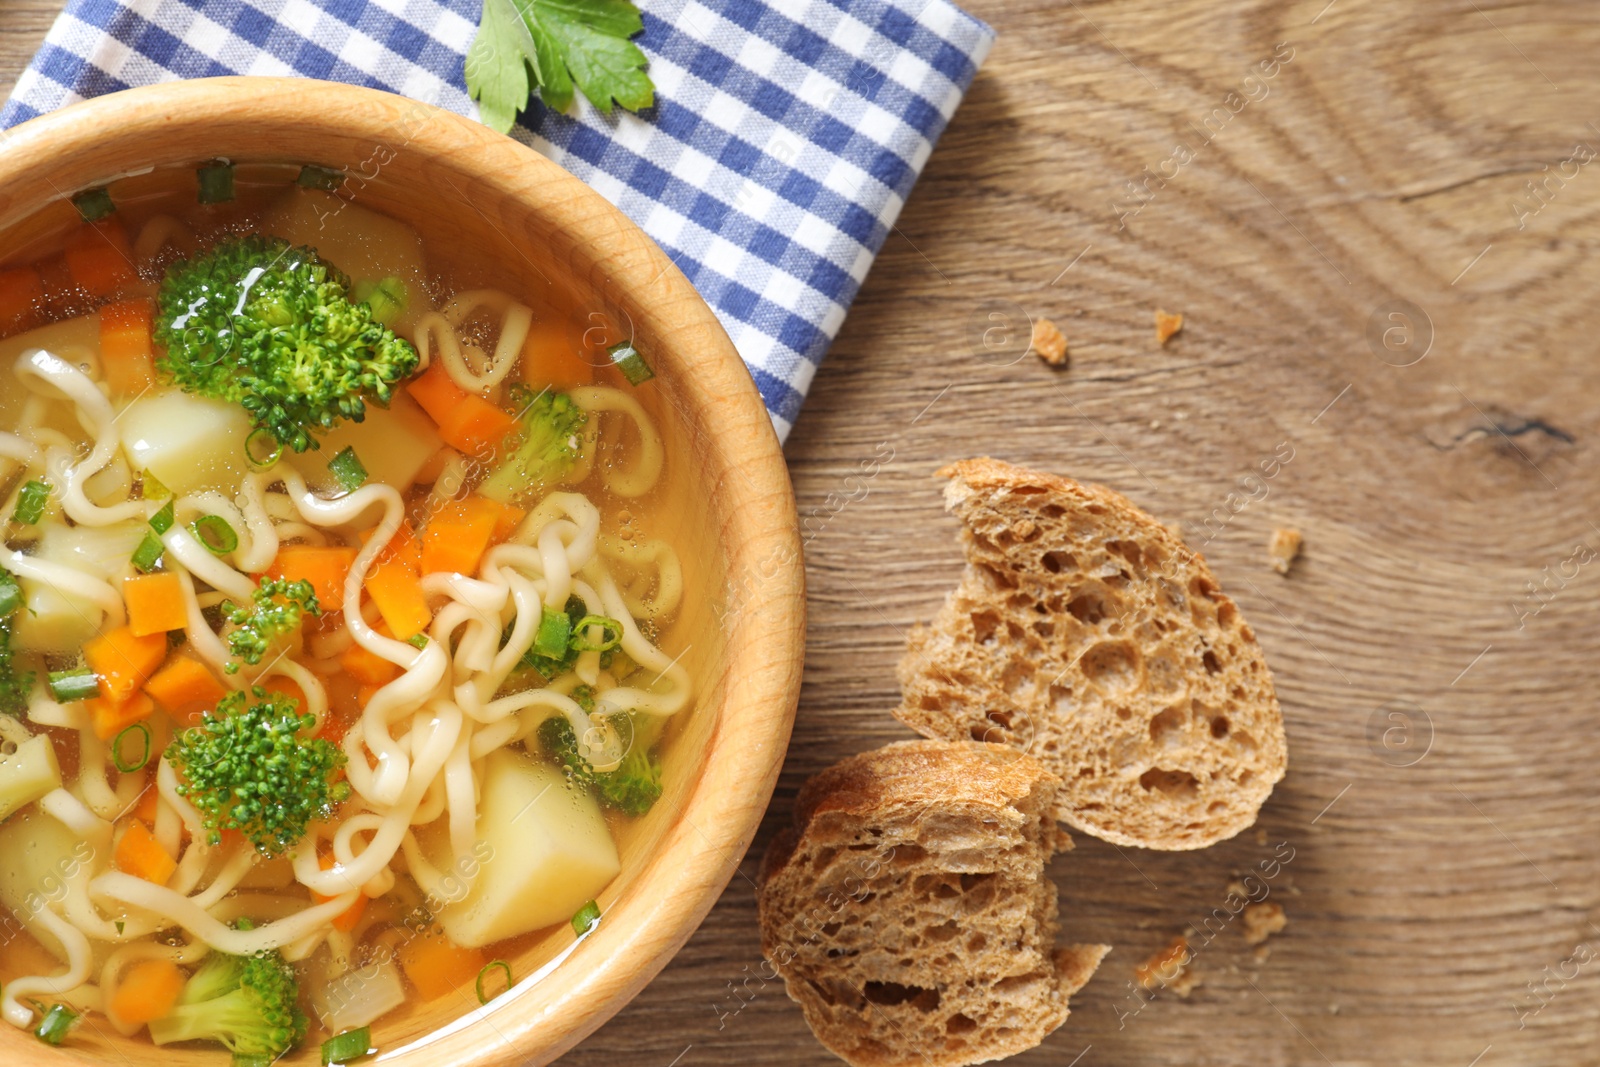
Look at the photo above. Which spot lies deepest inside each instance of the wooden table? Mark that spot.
(1369, 280)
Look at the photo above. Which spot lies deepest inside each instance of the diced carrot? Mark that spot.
(335, 726)
(342, 695)
(185, 688)
(435, 391)
(402, 547)
(111, 717)
(127, 355)
(458, 535)
(506, 520)
(365, 694)
(367, 668)
(393, 584)
(139, 853)
(155, 603)
(477, 427)
(552, 357)
(287, 687)
(144, 809)
(124, 661)
(60, 290)
(466, 421)
(347, 919)
(99, 258)
(146, 993)
(324, 568)
(397, 590)
(21, 296)
(436, 966)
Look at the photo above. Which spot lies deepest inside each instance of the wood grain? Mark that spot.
(1381, 165)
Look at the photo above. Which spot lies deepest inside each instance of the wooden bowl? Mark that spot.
(473, 193)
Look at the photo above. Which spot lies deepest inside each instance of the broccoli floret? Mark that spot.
(250, 1004)
(634, 785)
(549, 442)
(257, 769)
(271, 327)
(15, 684)
(279, 606)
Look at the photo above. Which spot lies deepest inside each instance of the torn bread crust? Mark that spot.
(1085, 633)
(908, 910)
(1171, 968)
(1261, 921)
(1048, 342)
(1166, 326)
(1284, 548)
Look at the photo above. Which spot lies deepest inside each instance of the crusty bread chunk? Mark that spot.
(1086, 633)
(908, 910)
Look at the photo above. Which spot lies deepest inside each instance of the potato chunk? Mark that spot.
(551, 853)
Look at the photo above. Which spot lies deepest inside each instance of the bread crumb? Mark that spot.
(1261, 836)
(1166, 326)
(1263, 920)
(1049, 343)
(1283, 548)
(1262, 953)
(1171, 968)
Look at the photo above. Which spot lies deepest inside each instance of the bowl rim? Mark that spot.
(98, 140)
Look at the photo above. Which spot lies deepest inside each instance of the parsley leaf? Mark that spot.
(552, 47)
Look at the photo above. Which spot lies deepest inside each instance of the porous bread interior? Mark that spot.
(911, 919)
(1086, 633)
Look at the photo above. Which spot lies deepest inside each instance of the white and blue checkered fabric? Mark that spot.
(785, 137)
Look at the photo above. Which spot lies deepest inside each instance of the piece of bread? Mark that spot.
(1085, 633)
(1283, 548)
(908, 909)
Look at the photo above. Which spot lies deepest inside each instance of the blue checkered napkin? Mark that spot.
(785, 139)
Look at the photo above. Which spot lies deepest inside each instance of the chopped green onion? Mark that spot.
(251, 1059)
(314, 177)
(149, 553)
(631, 363)
(214, 532)
(348, 470)
(31, 500)
(120, 925)
(484, 998)
(388, 298)
(10, 593)
(151, 487)
(350, 1045)
(94, 204)
(81, 684)
(555, 628)
(587, 918)
(57, 1021)
(162, 520)
(261, 448)
(129, 766)
(417, 640)
(216, 182)
(611, 638)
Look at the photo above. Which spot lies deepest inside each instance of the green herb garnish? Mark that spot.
(548, 46)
